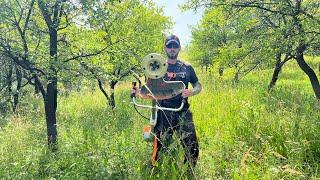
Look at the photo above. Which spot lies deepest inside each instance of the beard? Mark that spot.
(172, 55)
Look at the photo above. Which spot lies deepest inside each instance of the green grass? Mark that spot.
(244, 132)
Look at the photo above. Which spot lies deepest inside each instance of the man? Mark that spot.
(181, 122)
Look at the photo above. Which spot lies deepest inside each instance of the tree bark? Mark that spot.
(17, 93)
(236, 74)
(36, 87)
(236, 77)
(277, 70)
(52, 21)
(9, 81)
(112, 101)
(51, 96)
(50, 110)
(308, 70)
(102, 90)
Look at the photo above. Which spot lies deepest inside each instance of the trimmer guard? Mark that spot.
(159, 89)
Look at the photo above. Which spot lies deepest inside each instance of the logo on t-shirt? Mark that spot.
(171, 75)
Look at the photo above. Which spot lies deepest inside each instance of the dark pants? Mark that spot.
(179, 122)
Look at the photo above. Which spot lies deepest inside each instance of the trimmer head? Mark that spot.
(154, 66)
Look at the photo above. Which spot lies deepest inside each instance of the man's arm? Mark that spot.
(196, 88)
(191, 92)
(194, 82)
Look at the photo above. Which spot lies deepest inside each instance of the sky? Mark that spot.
(182, 20)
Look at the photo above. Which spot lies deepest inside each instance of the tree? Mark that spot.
(48, 40)
(130, 30)
(228, 40)
(293, 29)
(30, 39)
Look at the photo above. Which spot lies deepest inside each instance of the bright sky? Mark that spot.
(182, 20)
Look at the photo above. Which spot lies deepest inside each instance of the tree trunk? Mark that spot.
(236, 74)
(51, 96)
(51, 119)
(112, 101)
(36, 87)
(236, 77)
(9, 81)
(276, 72)
(308, 70)
(103, 91)
(17, 93)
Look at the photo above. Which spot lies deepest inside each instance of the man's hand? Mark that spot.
(187, 93)
(191, 92)
(135, 92)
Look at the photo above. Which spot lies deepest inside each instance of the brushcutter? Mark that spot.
(156, 88)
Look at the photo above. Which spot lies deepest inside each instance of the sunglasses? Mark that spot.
(173, 45)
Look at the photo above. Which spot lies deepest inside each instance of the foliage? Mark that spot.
(255, 32)
(244, 132)
(128, 30)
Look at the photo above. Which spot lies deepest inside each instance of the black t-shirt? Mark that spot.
(179, 72)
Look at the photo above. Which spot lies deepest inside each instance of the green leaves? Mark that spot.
(253, 31)
(128, 30)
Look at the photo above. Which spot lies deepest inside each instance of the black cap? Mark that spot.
(172, 39)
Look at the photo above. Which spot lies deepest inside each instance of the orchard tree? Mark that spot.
(292, 29)
(10, 84)
(33, 37)
(129, 30)
(52, 41)
(229, 40)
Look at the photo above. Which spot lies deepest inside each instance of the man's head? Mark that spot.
(172, 46)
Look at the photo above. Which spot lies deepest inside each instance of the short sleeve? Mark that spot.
(193, 76)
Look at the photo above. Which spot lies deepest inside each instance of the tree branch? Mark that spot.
(58, 6)
(24, 64)
(28, 17)
(86, 55)
(45, 13)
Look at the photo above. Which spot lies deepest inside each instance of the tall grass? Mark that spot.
(244, 132)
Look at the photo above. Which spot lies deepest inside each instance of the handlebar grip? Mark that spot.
(134, 84)
(133, 90)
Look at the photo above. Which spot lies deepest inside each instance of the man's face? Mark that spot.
(172, 50)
